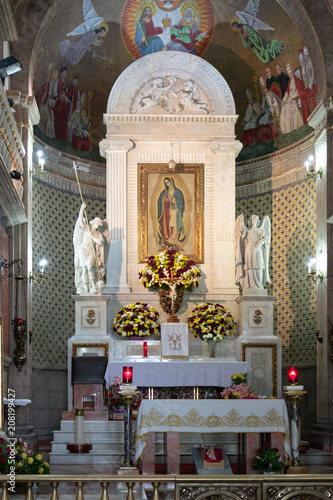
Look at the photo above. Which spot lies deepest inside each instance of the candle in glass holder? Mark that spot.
(145, 350)
(292, 375)
(127, 374)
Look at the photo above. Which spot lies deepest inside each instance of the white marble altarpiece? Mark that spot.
(170, 106)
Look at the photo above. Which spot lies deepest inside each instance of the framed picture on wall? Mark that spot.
(171, 210)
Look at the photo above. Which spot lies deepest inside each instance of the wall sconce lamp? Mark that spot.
(312, 271)
(41, 275)
(311, 169)
(39, 168)
(8, 67)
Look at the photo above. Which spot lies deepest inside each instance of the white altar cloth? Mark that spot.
(178, 373)
(209, 415)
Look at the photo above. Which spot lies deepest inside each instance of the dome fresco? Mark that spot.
(253, 44)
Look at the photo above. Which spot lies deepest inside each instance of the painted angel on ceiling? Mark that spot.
(252, 244)
(93, 29)
(248, 27)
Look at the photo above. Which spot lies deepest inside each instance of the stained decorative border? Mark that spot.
(144, 169)
(274, 360)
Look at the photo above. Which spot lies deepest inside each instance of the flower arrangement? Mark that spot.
(239, 378)
(238, 391)
(268, 460)
(116, 400)
(239, 388)
(137, 319)
(211, 322)
(158, 270)
(16, 453)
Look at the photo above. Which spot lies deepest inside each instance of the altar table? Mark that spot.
(250, 416)
(172, 373)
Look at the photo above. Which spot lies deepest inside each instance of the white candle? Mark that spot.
(79, 426)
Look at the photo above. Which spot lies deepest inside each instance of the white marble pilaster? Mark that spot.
(116, 212)
(224, 212)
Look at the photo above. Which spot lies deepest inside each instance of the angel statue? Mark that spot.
(91, 240)
(247, 29)
(93, 29)
(252, 246)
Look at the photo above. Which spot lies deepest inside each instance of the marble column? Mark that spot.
(321, 435)
(224, 219)
(115, 153)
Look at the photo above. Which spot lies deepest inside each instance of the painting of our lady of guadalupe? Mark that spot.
(171, 210)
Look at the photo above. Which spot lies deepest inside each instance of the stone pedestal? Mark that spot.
(91, 336)
(174, 340)
(258, 345)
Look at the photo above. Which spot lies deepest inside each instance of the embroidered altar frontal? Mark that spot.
(205, 416)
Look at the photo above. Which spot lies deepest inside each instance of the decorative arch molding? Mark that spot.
(161, 68)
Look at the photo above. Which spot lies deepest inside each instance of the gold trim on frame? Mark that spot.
(274, 360)
(144, 169)
(90, 344)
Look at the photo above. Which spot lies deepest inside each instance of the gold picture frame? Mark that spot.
(273, 348)
(188, 179)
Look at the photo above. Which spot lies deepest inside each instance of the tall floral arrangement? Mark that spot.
(137, 319)
(158, 270)
(211, 322)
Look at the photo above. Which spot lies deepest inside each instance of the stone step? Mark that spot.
(95, 425)
(315, 457)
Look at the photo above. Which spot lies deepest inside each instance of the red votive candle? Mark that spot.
(145, 350)
(127, 374)
(292, 375)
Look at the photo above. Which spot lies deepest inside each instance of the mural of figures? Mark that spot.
(171, 206)
(295, 99)
(251, 120)
(46, 103)
(62, 105)
(186, 34)
(93, 29)
(79, 126)
(85, 49)
(152, 26)
(146, 35)
(247, 29)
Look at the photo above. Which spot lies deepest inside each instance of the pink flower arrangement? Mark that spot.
(238, 391)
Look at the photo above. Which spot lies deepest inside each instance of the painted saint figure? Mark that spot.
(171, 206)
(90, 243)
(146, 34)
(185, 34)
(93, 29)
(252, 245)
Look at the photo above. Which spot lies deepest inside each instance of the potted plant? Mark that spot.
(159, 270)
(211, 322)
(268, 460)
(137, 320)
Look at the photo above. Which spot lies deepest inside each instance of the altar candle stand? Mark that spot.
(79, 446)
(294, 394)
(129, 394)
(145, 350)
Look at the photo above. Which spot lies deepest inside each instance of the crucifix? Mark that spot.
(172, 283)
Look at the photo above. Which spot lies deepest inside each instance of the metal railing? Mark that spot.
(185, 487)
